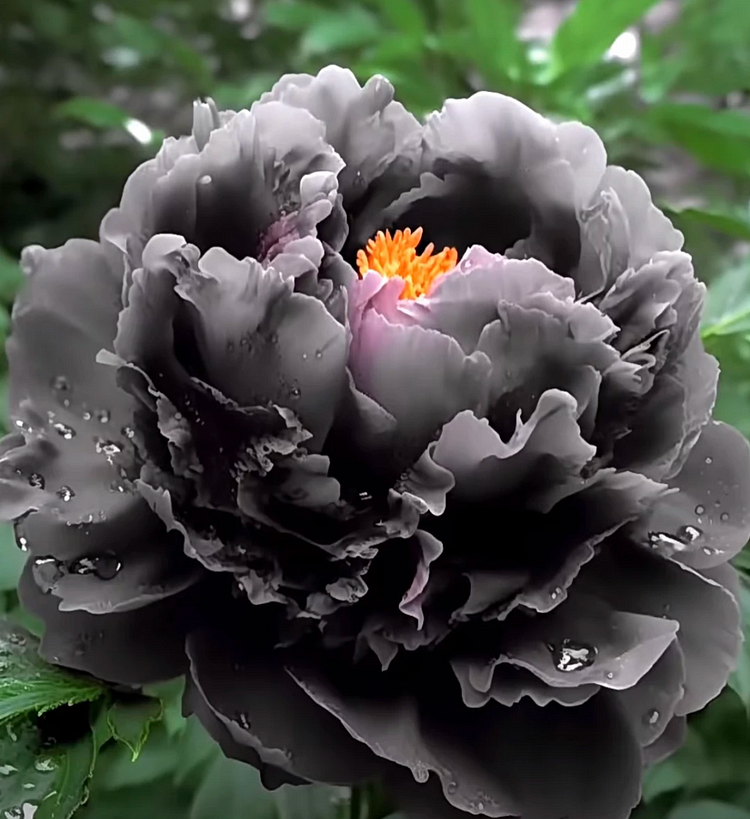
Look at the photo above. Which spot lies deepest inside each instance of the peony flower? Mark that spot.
(396, 441)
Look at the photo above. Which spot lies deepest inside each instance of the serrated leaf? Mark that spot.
(708, 809)
(46, 783)
(94, 112)
(130, 721)
(590, 30)
(30, 685)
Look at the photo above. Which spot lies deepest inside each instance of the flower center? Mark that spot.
(396, 255)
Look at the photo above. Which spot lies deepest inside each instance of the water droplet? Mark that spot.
(610, 675)
(60, 384)
(205, 180)
(296, 392)
(480, 806)
(421, 772)
(709, 460)
(36, 480)
(128, 432)
(452, 787)
(572, 656)
(707, 550)
(105, 566)
(65, 493)
(13, 813)
(116, 487)
(700, 510)
(724, 516)
(688, 534)
(29, 786)
(108, 448)
(304, 356)
(47, 572)
(103, 416)
(44, 765)
(23, 426)
(17, 639)
(29, 809)
(651, 717)
(9, 729)
(555, 593)
(7, 770)
(663, 540)
(87, 416)
(63, 430)
(318, 354)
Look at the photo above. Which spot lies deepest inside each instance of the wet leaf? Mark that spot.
(130, 721)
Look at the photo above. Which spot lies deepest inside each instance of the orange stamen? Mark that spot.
(396, 255)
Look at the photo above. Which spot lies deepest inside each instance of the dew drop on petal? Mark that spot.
(724, 516)
(128, 432)
(87, 416)
(610, 675)
(709, 460)
(570, 655)
(421, 773)
(651, 717)
(47, 572)
(63, 430)
(688, 534)
(65, 493)
(104, 567)
(700, 510)
(103, 416)
(36, 480)
(23, 543)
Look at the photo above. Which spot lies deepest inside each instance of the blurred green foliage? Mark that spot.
(87, 91)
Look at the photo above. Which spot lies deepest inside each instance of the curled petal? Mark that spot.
(431, 549)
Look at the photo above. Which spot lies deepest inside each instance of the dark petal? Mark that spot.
(582, 642)
(427, 483)
(462, 302)
(488, 760)
(510, 685)
(544, 454)
(262, 343)
(533, 351)
(64, 315)
(671, 416)
(672, 738)
(651, 702)
(633, 579)
(707, 520)
(430, 549)
(502, 164)
(365, 126)
(245, 686)
(421, 377)
(131, 648)
(231, 193)
(193, 704)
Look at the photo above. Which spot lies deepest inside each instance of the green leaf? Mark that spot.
(91, 111)
(590, 30)
(292, 15)
(404, 15)
(12, 559)
(718, 139)
(740, 679)
(736, 225)
(11, 277)
(29, 684)
(728, 304)
(39, 781)
(708, 809)
(233, 788)
(350, 28)
(130, 721)
(496, 48)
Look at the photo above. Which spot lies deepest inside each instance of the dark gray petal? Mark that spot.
(431, 549)
(651, 702)
(365, 126)
(421, 377)
(583, 642)
(544, 454)
(133, 648)
(261, 343)
(247, 688)
(462, 302)
(510, 685)
(488, 760)
(633, 579)
(672, 738)
(707, 520)
(428, 483)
